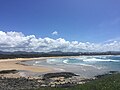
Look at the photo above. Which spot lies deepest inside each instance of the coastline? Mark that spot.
(29, 70)
(10, 64)
(26, 70)
(47, 77)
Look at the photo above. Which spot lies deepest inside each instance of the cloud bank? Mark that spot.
(17, 41)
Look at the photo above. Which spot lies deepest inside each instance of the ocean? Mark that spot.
(86, 66)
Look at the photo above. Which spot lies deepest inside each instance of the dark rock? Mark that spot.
(108, 73)
(18, 83)
(59, 74)
(8, 71)
(113, 72)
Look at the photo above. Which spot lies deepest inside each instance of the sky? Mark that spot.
(66, 25)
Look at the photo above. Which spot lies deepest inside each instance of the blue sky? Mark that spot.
(81, 20)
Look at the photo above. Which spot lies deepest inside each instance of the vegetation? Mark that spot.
(22, 54)
(11, 55)
(108, 82)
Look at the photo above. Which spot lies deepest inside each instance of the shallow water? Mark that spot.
(86, 66)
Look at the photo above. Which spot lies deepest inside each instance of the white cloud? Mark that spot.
(55, 33)
(17, 41)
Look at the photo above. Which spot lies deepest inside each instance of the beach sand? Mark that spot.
(10, 64)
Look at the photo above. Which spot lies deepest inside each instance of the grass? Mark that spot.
(109, 82)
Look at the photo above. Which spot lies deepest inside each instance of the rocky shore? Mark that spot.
(18, 83)
(61, 79)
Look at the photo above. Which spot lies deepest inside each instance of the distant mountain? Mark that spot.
(2, 52)
(23, 52)
(55, 52)
(20, 52)
(62, 53)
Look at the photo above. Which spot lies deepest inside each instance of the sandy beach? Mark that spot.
(26, 69)
(10, 64)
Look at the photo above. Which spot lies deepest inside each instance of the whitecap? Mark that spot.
(65, 61)
(54, 61)
(100, 60)
(37, 62)
(50, 61)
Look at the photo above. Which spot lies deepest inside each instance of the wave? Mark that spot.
(82, 60)
(51, 61)
(65, 61)
(54, 61)
(37, 62)
(97, 67)
(83, 64)
(100, 60)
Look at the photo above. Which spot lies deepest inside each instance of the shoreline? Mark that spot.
(34, 70)
(10, 64)
(51, 78)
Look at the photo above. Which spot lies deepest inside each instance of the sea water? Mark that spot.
(86, 66)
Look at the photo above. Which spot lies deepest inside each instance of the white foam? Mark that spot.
(59, 69)
(37, 62)
(65, 61)
(99, 60)
(34, 64)
(86, 65)
(51, 61)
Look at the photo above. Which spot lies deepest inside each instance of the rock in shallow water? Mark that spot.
(59, 74)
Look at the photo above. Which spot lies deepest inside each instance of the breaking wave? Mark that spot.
(82, 60)
(100, 60)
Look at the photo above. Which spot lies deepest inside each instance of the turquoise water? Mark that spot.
(109, 62)
(86, 66)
